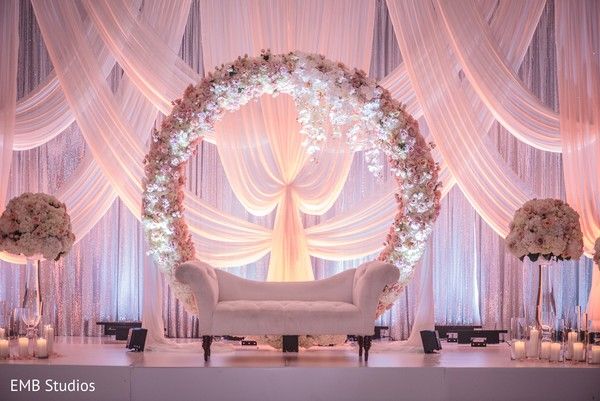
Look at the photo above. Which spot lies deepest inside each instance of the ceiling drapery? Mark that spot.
(494, 190)
(495, 80)
(512, 24)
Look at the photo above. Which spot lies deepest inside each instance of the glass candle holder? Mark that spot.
(23, 344)
(533, 342)
(517, 338)
(593, 354)
(545, 348)
(518, 350)
(41, 348)
(556, 352)
(4, 348)
(557, 345)
(578, 352)
(48, 334)
(571, 338)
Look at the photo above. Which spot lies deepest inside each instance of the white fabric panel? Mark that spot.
(111, 139)
(512, 25)
(275, 173)
(578, 39)
(491, 187)
(357, 233)
(149, 63)
(9, 39)
(44, 112)
(89, 195)
(496, 83)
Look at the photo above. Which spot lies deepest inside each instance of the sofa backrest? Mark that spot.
(334, 288)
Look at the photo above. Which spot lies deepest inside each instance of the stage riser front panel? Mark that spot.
(301, 384)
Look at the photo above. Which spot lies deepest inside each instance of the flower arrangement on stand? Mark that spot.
(545, 231)
(37, 226)
(547, 228)
(597, 252)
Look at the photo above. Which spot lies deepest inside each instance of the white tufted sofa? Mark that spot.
(341, 304)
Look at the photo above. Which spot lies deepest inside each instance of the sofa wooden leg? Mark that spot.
(367, 345)
(206, 343)
(360, 340)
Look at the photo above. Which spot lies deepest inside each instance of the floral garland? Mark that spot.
(36, 224)
(597, 252)
(545, 227)
(324, 91)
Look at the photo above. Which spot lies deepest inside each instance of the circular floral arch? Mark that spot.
(323, 91)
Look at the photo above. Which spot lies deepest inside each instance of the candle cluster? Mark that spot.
(572, 349)
(41, 347)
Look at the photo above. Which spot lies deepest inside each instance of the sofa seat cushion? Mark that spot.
(244, 317)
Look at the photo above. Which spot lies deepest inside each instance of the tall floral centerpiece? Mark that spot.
(38, 227)
(545, 231)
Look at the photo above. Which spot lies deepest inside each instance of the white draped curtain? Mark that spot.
(484, 86)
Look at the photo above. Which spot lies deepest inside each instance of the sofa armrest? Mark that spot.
(369, 281)
(202, 279)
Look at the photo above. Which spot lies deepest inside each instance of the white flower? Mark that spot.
(35, 224)
(547, 228)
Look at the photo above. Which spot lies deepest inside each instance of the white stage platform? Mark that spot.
(393, 373)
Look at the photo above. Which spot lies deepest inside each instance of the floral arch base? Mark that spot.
(324, 91)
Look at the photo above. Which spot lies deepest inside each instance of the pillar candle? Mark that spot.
(578, 351)
(518, 349)
(2, 332)
(545, 353)
(555, 352)
(5, 350)
(533, 343)
(23, 347)
(571, 339)
(595, 354)
(49, 336)
(41, 349)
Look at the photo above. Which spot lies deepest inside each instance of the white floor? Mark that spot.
(394, 372)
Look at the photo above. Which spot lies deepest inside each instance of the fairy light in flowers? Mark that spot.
(325, 93)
